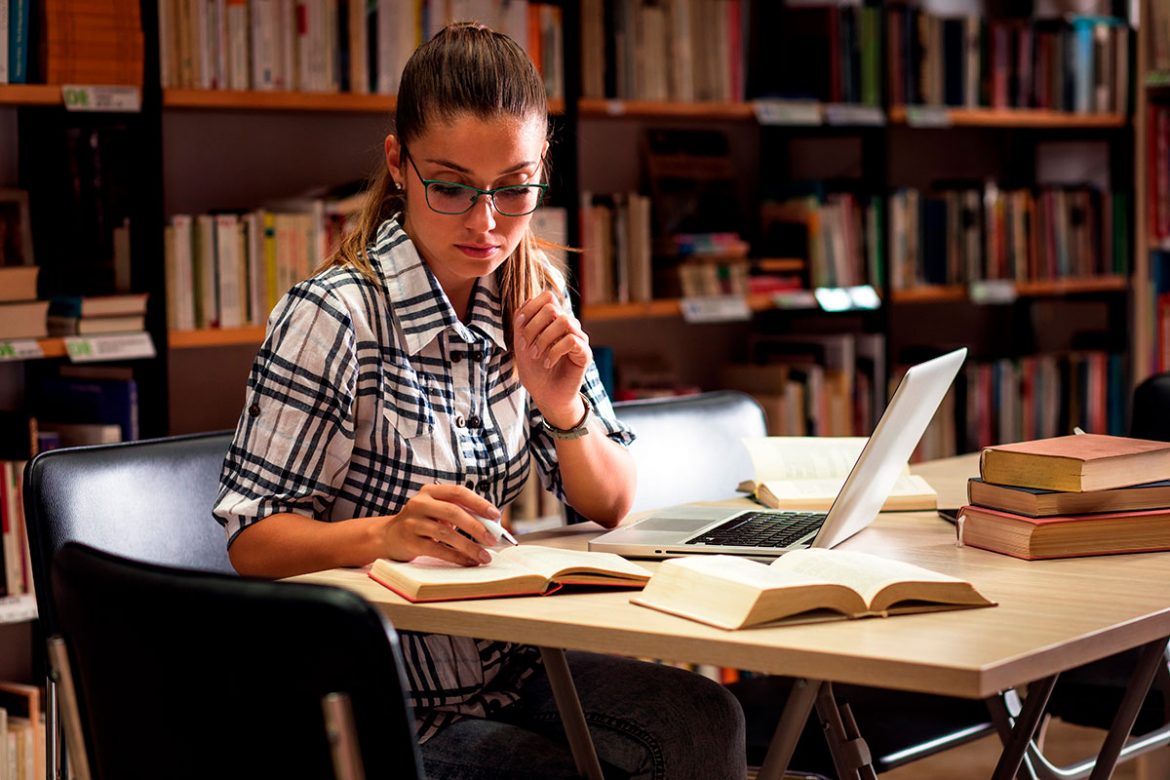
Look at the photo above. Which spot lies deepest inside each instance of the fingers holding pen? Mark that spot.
(439, 521)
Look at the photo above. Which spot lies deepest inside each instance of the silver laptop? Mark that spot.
(688, 529)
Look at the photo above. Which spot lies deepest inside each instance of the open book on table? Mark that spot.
(731, 592)
(807, 472)
(514, 571)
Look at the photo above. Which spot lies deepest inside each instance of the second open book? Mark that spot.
(815, 584)
(807, 472)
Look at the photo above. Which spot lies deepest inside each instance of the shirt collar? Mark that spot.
(418, 301)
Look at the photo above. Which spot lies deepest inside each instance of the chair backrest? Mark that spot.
(1151, 409)
(147, 500)
(190, 674)
(688, 448)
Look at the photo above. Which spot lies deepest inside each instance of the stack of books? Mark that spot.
(21, 315)
(92, 315)
(1070, 496)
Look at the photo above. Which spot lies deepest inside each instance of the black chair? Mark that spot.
(147, 500)
(688, 448)
(186, 674)
(1150, 416)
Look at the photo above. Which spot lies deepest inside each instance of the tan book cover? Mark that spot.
(731, 592)
(807, 472)
(1077, 463)
(514, 571)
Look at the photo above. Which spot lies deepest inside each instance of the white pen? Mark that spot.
(496, 529)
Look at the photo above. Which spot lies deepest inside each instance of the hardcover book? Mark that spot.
(731, 592)
(1035, 502)
(1077, 463)
(514, 571)
(1065, 536)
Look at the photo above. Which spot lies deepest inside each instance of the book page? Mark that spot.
(551, 562)
(864, 573)
(803, 457)
(427, 570)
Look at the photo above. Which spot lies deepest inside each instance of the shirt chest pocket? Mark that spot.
(405, 402)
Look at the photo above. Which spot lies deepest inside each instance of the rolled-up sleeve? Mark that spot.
(293, 443)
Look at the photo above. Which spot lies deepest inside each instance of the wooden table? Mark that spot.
(1051, 616)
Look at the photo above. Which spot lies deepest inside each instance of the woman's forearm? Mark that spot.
(286, 544)
(598, 475)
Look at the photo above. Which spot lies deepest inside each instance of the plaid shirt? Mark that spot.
(358, 397)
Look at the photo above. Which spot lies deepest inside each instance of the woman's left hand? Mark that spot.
(552, 353)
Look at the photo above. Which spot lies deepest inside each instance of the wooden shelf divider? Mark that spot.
(647, 109)
(663, 307)
(216, 337)
(254, 100)
(1012, 117)
(1031, 289)
(30, 94)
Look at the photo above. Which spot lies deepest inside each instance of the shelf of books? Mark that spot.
(1004, 290)
(257, 100)
(936, 116)
(661, 109)
(671, 307)
(215, 337)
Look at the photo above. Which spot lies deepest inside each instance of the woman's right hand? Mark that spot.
(430, 524)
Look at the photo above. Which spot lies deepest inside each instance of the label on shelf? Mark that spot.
(795, 299)
(715, 308)
(21, 349)
(17, 609)
(787, 112)
(119, 346)
(928, 116)
(89, 97)
(991, 291)
(852, 114)
(861, 296)
(615, 107)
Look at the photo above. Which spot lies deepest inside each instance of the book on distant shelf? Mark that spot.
(1065, 536)
(810, 585)
(1078, 463)
(514, 571)
(18, 282)
(98, 305)
(60, 325)
(1035, 502)
(807, 472)
(23, 320)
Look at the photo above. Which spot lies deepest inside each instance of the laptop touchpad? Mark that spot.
(687, 520)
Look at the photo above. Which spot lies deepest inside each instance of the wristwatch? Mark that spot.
(577, 431)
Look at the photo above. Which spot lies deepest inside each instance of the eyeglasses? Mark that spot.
(449, 197)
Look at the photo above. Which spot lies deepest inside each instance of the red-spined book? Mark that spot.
(1068, 536)
(525, 570)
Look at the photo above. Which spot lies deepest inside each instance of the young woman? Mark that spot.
(403, 390)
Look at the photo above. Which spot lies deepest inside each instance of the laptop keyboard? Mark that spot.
(761, 529)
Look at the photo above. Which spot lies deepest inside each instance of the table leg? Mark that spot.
(572, 716)
(1151, 656)
(788, 730)
(1025, 728)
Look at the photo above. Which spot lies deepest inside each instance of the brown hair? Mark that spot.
(466, 68)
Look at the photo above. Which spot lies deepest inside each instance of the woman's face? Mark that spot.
(483, 153)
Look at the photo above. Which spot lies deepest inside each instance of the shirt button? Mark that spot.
(474, 422)
(477, 355)
(470, 484)
(456, 357)
(254, 410)
(482, 487)
(460, 422)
